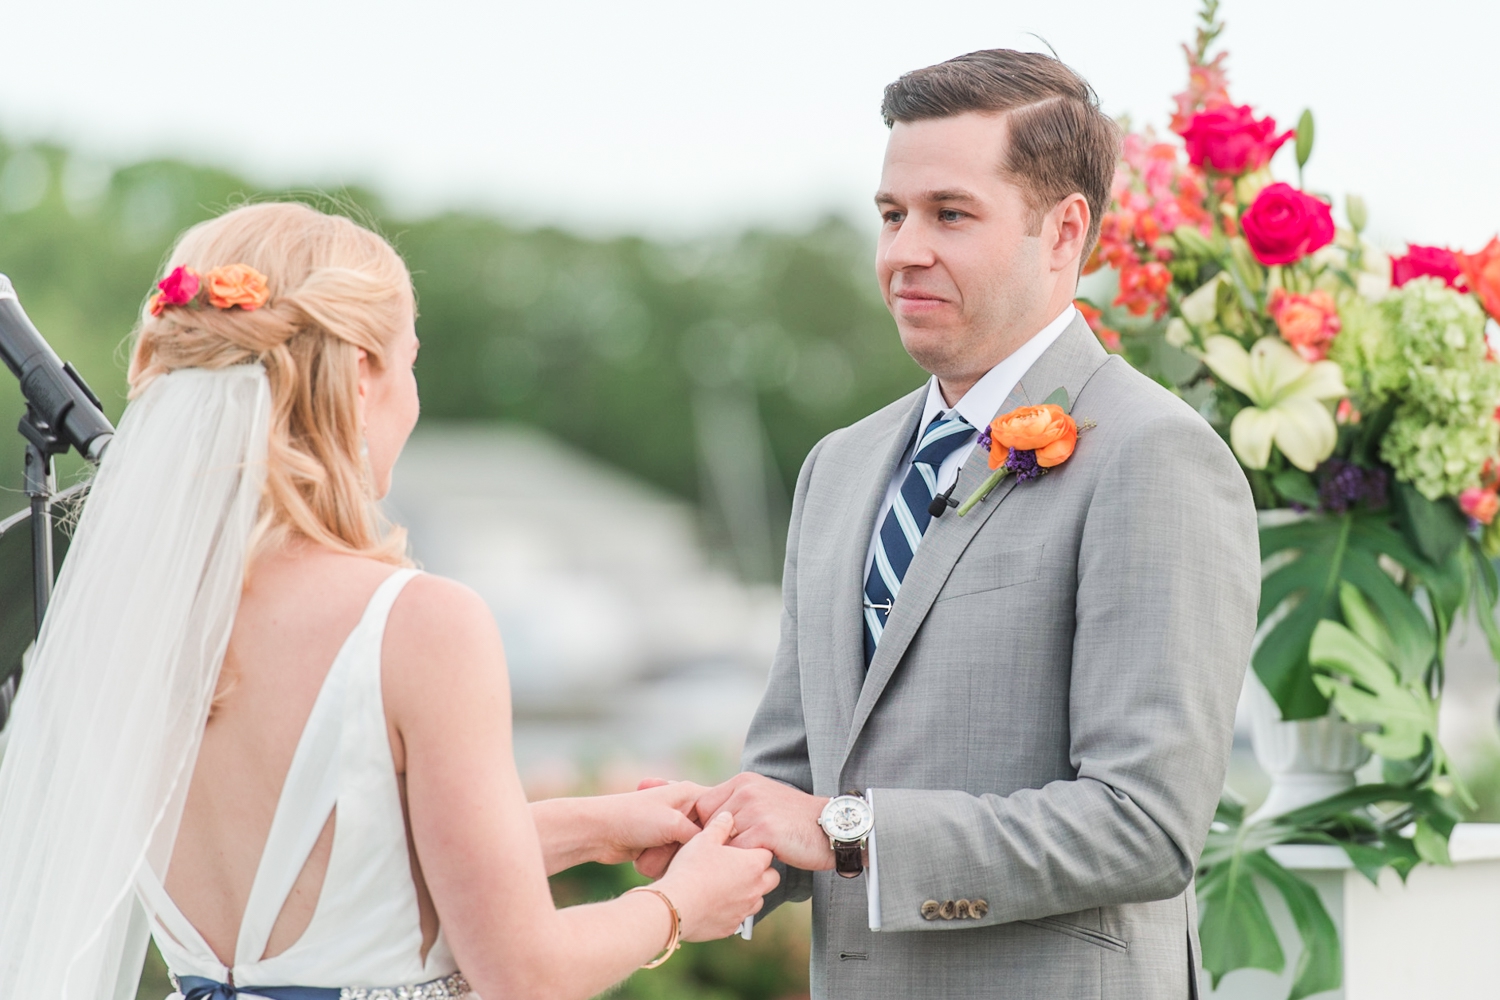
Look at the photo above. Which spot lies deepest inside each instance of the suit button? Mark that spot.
(930, 910)
(948, 910)
(961, 909)
(978, 908)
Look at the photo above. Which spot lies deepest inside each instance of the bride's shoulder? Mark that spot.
(440, 631)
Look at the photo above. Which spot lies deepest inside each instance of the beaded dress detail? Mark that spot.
(365, 936)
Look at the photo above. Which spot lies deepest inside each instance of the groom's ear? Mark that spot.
(1066, 230)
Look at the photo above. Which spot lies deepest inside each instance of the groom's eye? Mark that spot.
(893, 217)
(949, 215)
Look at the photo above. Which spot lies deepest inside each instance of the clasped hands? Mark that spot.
(767, 814)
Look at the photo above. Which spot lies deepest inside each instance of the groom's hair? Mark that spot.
(1060, 142)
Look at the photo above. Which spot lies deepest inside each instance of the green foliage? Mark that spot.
(773, 964)
(613, 345)
(1321, 555)
(1305, 135)
(1366, 822)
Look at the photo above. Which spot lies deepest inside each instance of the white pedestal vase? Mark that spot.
(1307, 760)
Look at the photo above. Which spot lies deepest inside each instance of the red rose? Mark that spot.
(1228, 139)
(179, 287)
(1419, 262)
(1283, 225)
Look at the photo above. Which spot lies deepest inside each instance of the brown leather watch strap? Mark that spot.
(848, 858)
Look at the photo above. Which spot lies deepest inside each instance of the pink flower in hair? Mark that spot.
(176, 289)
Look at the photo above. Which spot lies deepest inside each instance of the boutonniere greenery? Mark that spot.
(1027, 442)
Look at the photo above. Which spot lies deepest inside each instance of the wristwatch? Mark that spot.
(848, 820)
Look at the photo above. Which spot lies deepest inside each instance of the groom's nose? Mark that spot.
(910, 246)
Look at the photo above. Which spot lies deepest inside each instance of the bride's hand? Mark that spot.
(715, 887)
(653, 821)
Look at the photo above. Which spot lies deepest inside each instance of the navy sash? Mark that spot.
(199, 988)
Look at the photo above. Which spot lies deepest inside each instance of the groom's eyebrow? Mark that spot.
(941, 196)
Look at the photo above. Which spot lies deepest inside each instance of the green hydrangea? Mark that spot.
(1367, 352)
(1424, 345)
(1439, 459)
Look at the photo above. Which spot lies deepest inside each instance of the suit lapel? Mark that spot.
(1068, 363)
(863, 500)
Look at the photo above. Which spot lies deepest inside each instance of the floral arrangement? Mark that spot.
(1362, 398)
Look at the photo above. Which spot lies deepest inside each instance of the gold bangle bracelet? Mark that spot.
(674, 941)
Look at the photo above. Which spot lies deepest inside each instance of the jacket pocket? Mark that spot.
(977, 572)
(1099, 938)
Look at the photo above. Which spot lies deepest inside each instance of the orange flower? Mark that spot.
(1482, 271)
(1143, 287)
(1481, 505)
(236, 285)
(1307, 322)
(1045, 429)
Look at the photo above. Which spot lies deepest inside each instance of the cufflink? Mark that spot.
(930, 910)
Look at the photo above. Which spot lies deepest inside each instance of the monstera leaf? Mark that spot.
(1318, 557)
(1358, 675)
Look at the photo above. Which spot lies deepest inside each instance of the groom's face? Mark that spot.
(957, 267)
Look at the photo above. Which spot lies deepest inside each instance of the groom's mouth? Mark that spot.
(915, 302)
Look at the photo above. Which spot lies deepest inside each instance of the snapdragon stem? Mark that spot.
(985, 489)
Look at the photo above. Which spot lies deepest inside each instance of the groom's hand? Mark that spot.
(774, 816)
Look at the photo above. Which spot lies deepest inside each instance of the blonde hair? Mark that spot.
(335, 288)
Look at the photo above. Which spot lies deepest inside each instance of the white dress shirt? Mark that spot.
(978, 406)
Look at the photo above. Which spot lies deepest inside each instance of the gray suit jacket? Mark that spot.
(1047, 720)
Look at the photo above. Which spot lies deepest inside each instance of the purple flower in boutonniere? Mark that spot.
(1036, 439)
(1023, 465)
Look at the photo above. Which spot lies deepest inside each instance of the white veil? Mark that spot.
(110, 715)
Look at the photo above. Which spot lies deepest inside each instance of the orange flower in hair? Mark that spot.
(236, 285)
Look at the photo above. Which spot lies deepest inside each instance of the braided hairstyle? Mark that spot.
(335, 288)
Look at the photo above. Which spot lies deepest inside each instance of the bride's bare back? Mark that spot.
(297, 610)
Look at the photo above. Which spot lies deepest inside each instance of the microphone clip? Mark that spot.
(943, 501)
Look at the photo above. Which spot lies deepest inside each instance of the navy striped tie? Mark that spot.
(907, 521)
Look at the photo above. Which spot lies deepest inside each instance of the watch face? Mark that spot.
(847, 818)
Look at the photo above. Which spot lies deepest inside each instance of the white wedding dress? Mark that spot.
(365, 937)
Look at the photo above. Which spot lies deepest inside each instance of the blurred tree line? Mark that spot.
(707, 367)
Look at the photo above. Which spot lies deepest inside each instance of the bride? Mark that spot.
(250, 730)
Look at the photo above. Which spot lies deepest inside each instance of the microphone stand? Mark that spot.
(41, 485)
(42, 445)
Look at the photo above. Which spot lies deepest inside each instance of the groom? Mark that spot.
(1028, 708)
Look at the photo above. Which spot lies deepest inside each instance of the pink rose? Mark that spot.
(1438, 262)
(179, 287)
(1230, 140)
(1283, 225)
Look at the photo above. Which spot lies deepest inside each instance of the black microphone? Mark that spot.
(943, 501)
(56, 393)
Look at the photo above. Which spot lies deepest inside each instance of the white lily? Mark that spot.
(1287, 394)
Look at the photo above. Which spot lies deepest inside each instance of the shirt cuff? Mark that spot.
(872, 872)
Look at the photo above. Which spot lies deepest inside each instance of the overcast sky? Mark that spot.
(683, 118)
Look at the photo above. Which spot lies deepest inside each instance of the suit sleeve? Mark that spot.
(1168, 583)
(776, 745)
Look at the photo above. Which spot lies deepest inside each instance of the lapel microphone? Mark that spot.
(943, 501)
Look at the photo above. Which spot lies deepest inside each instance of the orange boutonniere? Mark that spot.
(1027, 442)
(236, 285)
